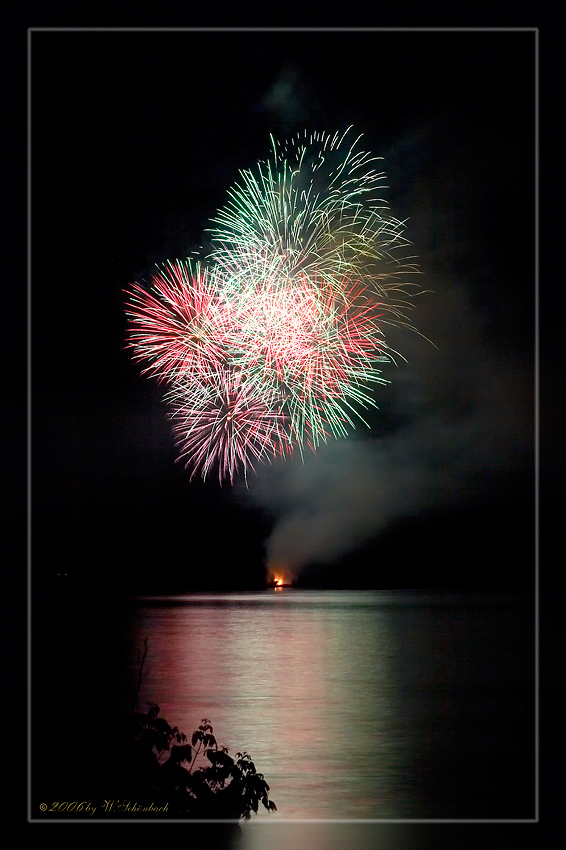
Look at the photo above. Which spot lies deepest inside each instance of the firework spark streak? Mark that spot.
(317, 347)
(277, 341)
(181, 330)
(314, 208)
(225, 423)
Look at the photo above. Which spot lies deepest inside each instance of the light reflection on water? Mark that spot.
(343, 698)
(331, 836)
(307, 693)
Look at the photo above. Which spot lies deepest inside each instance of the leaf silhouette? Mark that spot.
(181, 753)
(162, 726)
(219, 758)
(153, 711)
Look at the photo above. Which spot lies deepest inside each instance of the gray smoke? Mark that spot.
(459, 412)
(456, 411)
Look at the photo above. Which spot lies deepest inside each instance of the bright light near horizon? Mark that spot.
(278, 580)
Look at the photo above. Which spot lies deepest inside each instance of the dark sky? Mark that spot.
(136, 138)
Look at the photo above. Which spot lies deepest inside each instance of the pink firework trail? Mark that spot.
(182, 329)
(311, 332)
(317, 345)
(223, 422)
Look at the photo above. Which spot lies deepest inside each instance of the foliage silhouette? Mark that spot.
(199, 779)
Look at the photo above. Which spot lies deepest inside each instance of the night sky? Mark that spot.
(136, 138)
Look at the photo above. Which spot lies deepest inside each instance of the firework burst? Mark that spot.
(315, 207)
(180, 325)
(318, 347)
(222, 422)
(278, 341)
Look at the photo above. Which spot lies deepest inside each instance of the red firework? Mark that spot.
(183, 329)
(224, 423)
(315, 340)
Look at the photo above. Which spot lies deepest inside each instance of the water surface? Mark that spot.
(356, 704)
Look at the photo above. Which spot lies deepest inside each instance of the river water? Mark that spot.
(353, 704)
